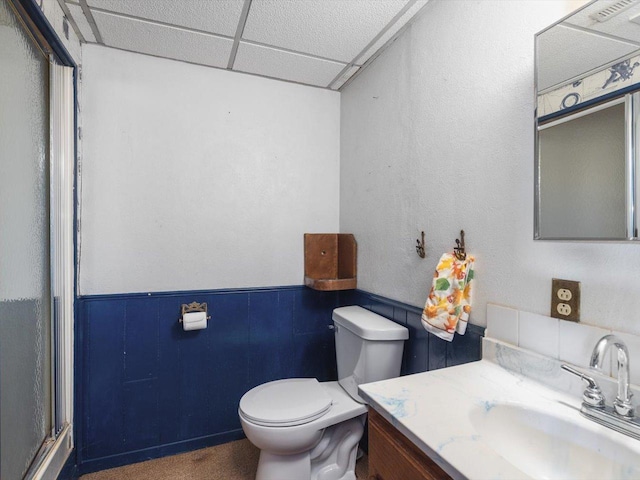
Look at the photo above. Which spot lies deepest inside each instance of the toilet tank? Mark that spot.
(368, 347)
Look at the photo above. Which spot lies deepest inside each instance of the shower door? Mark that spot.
(25, 294)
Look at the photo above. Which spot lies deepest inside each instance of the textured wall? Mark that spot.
(197, 178)
(437, 134)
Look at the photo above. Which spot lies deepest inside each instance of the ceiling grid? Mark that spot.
(92, 22)
(349, 68)
(322, 43)
(71, 19)
(236, 41)
(600, 42)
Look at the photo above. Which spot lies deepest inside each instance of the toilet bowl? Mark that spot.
(303, 448)
(309, 430)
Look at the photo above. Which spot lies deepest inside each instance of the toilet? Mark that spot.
(309, 430)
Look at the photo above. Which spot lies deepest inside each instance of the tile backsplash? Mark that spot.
(538, 333)
(502, 323)
(577, 342)
(566, 341)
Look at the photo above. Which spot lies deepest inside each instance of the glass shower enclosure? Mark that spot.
(36, 246)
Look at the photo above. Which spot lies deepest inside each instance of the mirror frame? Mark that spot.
(632, 123)
(631, 97)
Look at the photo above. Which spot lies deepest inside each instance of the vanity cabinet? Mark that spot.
(392, 456)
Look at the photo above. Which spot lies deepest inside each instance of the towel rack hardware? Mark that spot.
(420, 246)
(194, 307)
(459, 250)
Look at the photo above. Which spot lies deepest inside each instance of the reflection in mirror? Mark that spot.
(587, 78)
(594, 37)
(582, 175)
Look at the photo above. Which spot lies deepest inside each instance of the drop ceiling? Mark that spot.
(323, 43)
(592, 43)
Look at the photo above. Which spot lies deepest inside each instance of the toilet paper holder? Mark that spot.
(194, 307)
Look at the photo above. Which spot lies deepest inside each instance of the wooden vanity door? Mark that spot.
(392, 456)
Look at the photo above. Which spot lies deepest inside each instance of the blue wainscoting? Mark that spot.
(423, 351)
(146, 388)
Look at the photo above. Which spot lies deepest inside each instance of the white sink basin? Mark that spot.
(556, 445)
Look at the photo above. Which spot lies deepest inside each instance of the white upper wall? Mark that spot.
(197, 178)
(438, 135)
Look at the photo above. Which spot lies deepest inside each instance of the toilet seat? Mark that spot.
(285, 403)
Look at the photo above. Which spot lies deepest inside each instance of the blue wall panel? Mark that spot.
(271, 343)
(102, 385)
(464, 349)
(423, 351)
(141, 342)
(141, 423)
(416, 352)
(310, 311)
(146, 388)
(437, 353)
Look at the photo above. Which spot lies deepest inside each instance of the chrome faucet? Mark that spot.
(592, 395)
(620, 417)
(622, 403)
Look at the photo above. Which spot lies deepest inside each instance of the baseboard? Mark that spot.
(159, 451)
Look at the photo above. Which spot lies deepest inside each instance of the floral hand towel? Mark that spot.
(449, 303)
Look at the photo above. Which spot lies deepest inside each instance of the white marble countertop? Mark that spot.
(444, 412)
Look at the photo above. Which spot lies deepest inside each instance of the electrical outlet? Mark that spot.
(564, 309)
(565, 299)
(564, 294)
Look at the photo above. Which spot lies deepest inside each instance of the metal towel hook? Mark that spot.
(459, 251)
(420, 246)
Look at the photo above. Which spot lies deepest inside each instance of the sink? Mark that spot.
(516, 416)
(555, 445)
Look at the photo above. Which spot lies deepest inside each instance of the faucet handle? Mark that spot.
(592, 395)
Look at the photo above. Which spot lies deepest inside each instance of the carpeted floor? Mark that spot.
(231, 461)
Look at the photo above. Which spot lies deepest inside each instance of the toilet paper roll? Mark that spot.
(194, 321)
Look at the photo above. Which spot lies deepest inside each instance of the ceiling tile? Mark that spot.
(618, 25)
(562, 63)
(333, 29)
(275, 63)
(164, 41)
(583, 17)
(216, 16)
(81, 22)
(401, 22)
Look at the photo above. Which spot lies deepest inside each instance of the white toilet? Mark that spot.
(307, 430)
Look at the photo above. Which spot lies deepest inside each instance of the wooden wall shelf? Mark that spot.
(330, 261)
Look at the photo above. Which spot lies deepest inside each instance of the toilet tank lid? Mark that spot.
(369, 325)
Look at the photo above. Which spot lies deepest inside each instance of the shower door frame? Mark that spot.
(59, 444)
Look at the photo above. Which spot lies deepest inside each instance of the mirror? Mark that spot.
(582, 173)
(587, 70)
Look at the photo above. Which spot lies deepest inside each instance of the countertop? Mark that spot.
(440, 411)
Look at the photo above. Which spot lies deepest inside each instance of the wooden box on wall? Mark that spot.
(330, 261)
